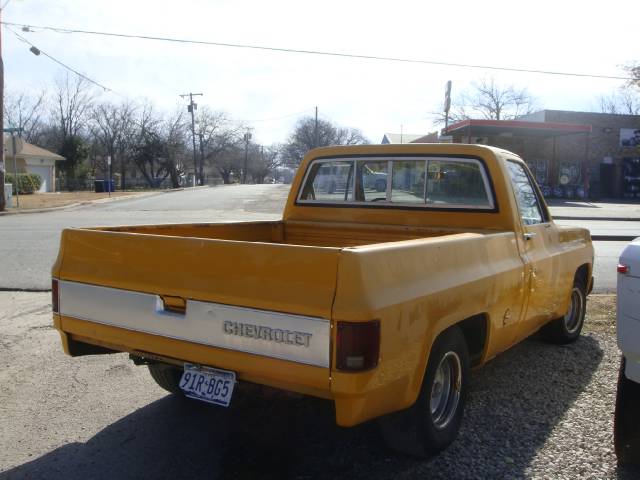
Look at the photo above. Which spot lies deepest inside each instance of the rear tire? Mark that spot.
(167, 376)
(626, 426)
(567, 328)
(433, 421)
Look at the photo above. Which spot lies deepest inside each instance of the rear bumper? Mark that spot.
(356, 400)
(77, 334)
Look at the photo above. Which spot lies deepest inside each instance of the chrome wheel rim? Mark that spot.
(445, 390)
(574, 316)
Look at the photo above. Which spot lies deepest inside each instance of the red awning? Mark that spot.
(478, 128)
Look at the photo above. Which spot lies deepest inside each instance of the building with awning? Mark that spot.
(571, 154)
(30, 158)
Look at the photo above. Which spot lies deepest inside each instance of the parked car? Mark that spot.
(380, 302)
(627, 414)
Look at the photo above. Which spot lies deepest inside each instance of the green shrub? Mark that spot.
(27, 182)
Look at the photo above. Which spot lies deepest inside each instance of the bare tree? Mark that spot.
(221, 142)
(160, 146)
(491, 101)
(303, 138)
(72, 102)
(26, 112)
(113, 127)
(633, 70)
(175, 136)
(264, 161)
(625, 101)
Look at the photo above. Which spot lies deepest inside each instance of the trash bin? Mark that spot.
(99, 186)
(108, 185)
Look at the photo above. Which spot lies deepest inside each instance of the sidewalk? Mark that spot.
(583, 210)
(46, 202)
(50, 202)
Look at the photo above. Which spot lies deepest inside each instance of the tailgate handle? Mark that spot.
(173, 304)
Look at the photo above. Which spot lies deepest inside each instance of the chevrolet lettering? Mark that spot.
(266, 333)
(394, 271)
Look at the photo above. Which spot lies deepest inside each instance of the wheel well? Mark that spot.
(474, 330)
(582, 273)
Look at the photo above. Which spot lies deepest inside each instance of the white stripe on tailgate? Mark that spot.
(261, 332)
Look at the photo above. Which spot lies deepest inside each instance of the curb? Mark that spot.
(613, 238)
(606, 219)
(78, 204)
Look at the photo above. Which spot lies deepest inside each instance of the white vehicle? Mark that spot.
(627, 416)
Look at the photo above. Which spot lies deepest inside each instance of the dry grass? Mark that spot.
(601, 314)
(61, 199)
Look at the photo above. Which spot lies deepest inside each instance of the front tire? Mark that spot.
(626, 426)
(433, 421)
(567, 328)
(166, 376)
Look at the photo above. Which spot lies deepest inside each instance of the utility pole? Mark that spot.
(315, 131)
(2, 205)
(200, 136)
(247, 137)
(191, 108)
(447, 106)
(109, 182)
(13, 132)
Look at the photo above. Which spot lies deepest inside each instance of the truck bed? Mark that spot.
(316, 234)
(237, 281)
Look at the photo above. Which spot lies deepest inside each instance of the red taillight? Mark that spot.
(55, 306)
(623, 268)
(357, 345)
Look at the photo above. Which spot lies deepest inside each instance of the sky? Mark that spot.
(271, 90)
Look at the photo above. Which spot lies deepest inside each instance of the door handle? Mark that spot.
(529, 235)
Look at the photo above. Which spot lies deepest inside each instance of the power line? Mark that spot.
(38, 51)
(21, 38)
(316, 52)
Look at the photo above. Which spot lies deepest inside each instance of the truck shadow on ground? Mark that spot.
(515, 402)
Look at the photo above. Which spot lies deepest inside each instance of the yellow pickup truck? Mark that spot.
(379, 298)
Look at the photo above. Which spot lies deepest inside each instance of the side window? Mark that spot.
(329, 181)
(407, 184)
(371, 180)
(525, 195)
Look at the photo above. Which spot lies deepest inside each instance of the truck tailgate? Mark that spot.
(265, 299)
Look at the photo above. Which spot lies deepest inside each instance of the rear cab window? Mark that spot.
(426, 182)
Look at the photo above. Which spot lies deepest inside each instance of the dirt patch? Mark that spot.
(601, 314)
(61, 199)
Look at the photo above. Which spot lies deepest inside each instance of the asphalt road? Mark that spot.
(29, 242)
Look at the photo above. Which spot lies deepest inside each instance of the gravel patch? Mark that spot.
(537, 411)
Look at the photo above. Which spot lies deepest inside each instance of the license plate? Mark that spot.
(208, 384)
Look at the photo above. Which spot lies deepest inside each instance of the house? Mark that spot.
(31, 159)
(410, 138)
